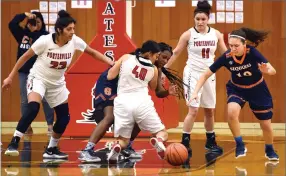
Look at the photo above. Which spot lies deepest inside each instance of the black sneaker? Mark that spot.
(131, 153)
(12, 149)
(54, 152)
(212, 146)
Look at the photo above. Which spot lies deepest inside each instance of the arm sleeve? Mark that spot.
(258, 56)
(39, 46)
(79, 44)
(14, 27)
(218, 63)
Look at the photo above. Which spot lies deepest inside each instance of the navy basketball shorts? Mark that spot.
(258, 98)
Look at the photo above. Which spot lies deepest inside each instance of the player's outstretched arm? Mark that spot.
(21, 61)
(182, 44)
(200, 84)
(97, 55)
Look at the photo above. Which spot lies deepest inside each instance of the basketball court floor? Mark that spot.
(30, 160)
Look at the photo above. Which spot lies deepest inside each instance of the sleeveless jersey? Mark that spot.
(134, 76)
(201, 49)
(53, 60)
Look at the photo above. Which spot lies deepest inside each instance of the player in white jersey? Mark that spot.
(46, 79)
(133, 104)
(201, 41)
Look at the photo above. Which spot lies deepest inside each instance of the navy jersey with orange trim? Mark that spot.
(105, 89)
(245, 73)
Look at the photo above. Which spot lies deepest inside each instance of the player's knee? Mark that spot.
(209, 113)
(28, 116)
(63, 118)
(32, 111)
(193, 112)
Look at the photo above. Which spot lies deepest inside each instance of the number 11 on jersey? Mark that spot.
(205, 53)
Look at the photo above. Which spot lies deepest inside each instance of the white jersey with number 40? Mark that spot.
(201, 49)
(53, 60)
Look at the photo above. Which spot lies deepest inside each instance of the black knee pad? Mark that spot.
(28, 117)
(63, 118)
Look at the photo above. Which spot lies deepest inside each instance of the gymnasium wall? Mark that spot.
(163, 24)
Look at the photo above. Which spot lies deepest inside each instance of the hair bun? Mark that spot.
(204, 5)
(63, 14)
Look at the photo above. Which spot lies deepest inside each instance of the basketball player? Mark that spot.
(26, 29)
(133, 103)
(201, 41)
(105, 92)
(247, 84)
(46, 79)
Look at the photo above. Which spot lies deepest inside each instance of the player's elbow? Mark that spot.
(272, 72)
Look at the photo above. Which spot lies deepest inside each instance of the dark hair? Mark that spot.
(40, 16)
(203, 6)
(148, 46)
(64, 19)
(254, 36)
(174, 78)
(32, 22)
(165, 47)
(172, 75)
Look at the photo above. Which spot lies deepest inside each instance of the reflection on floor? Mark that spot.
(31, 162)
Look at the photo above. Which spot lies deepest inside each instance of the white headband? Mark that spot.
(236, 36)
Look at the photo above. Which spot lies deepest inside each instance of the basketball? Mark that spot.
(176, 154)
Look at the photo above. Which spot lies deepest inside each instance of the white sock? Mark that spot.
(209, 131)
(18, 133)
(53, 142)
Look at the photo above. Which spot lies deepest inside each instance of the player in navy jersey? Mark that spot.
(105, 91)
(247, 84)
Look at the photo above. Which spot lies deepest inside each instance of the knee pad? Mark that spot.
(29, 116)
(63, 118)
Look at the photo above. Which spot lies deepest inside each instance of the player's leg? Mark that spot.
(23, 77)
(261, 105)
(190, 78)
(58, 99)
(208, 102)
(235, 103)
(35, 90)
(49, 114)
(148, 120)
(87, 155)
(123, 124)
(129, 151)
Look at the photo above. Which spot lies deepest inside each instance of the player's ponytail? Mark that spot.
(174, 78)
(254, 36)
(64, 19)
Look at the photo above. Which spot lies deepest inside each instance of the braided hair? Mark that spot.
(172, 75)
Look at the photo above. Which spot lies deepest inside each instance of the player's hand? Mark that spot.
(173, 90)
(163, 79)
(195, 97)
(30, 15)
(263, 67)
(7, 83)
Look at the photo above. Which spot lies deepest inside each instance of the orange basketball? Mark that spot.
(176, 154)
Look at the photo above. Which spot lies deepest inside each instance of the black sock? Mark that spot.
(15, 139)
(210, 136)
(186, 139)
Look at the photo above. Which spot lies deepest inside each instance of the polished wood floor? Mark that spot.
(30, 161)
